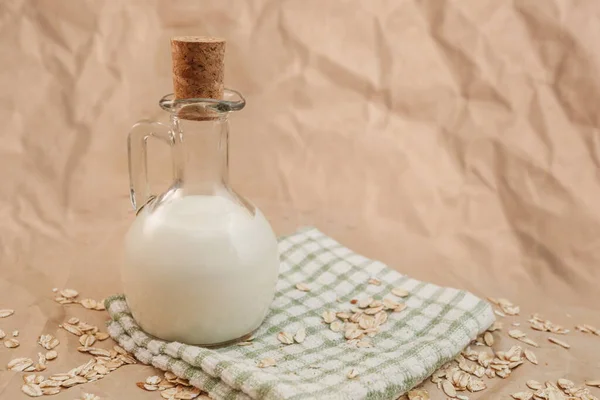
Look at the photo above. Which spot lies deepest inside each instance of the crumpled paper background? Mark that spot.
(457, 141)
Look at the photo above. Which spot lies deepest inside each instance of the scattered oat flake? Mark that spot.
(302, 287)
(559, 342)
(165, 385)
(401, 307)
(352, 374)
(89, 396)
(376, 304)
(145, 386)
(63, 300)
(390, 304)
(488, 339)
(300, 335)
(11, 343)
(329, 316)
(95, 351)
(50, 391)
(121, 350)
(530, 356)
(418, 394)
(72, 329)
(397, 291)
(373, 311)
(266, 362)
(507, 306)
(522, 395)
(565, 383)
(528, 341)
(89, 303)
(534, 385)
(592, 329)
(366, 321)
(15, 333)
(102, 335)
(448, 388)
(169, 375)
(499, 313)
(51, 355)
(285, 338)
(475, 385)
(69, 293)
(6, 313)
(32, 390)
(504, 373)
(49, 383)
(336, 326)
(516, 334)
(511, 310)
(60, 377)
(594, 383)
(48, 342)
(496, 326)
(374, 281)
(365, 302)
(343, 315)
(354, 318)
(460, 380)
(19, 364)
(87, 340)
(85, 327)
(169, 393)
(153, 380)
(76, 380)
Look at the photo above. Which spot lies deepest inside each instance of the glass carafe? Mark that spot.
(201, 262)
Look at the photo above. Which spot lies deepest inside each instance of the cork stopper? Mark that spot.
(198, 67)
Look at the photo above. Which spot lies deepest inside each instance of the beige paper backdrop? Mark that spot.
(457, 141)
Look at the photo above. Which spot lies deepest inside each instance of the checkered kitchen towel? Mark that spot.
(437, 324)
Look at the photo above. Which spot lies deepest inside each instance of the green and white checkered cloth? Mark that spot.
(437, 324)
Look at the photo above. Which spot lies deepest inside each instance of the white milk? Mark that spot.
(200, 270)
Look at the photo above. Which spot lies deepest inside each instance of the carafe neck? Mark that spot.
(201, 154)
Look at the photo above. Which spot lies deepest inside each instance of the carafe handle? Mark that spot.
(137, 142)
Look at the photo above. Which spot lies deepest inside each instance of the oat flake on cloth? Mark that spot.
(437, 324)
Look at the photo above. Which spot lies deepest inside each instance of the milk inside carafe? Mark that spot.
(201, 261)
(200, 269)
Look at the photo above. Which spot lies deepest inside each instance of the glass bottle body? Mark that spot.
(201, 262)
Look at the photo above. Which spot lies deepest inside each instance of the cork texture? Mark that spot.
(198, 67)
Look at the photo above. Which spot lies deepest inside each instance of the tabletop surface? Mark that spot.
(456, 141)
